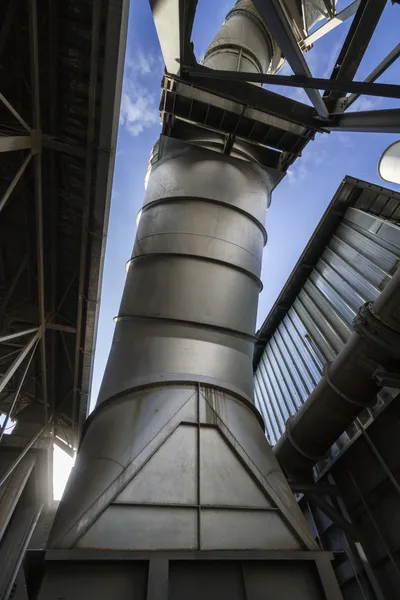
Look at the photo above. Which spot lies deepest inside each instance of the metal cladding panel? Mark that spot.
(360, 258)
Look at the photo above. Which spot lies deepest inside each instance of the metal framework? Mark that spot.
(58, 124)
(340, 89)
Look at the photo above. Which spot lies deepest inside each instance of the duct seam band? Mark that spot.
(311, 457)
(251, 57)
(199, 257)
(340, 394)
(175, 199)
(226, 330)
(253, 16)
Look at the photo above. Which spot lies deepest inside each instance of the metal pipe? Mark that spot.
(376, 73)
(347, 387)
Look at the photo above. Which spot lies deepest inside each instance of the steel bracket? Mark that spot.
(387, 379)
(376, 332)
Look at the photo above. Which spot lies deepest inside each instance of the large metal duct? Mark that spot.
(349, 385)
(174, 464)
(182, 354)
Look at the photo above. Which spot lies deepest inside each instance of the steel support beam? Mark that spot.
(356, 549)
(371, 121)
(33, 32)
(94, 57)
(18, 361)
(276, 20)
(10, 143)
(14, 182)
(14, 112)
(376, 73)
(261, 99)
(17, 393)
(7, 23)
(54, 144)
(360, 87)
(376, 526)
(313, 488)
(16, 462)
(350, 56)
(174, 21)
(12, 336)
(59, 327)
(331, 512)
(337, 20)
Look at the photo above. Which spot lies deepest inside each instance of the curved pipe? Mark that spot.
(347, 387)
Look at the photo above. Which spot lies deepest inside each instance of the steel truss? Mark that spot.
(340, 89)
(57, 142)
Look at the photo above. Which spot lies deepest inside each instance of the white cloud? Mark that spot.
(144, 64)
(315, 154)
(139, 106)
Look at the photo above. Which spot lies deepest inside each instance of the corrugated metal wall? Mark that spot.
(357, 263)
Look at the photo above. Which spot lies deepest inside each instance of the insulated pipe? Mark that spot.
(347, 387)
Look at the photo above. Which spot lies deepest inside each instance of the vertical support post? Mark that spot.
(198, 471)
(328, 579)
(157, 583)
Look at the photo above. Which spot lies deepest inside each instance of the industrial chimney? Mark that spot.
(174, 472)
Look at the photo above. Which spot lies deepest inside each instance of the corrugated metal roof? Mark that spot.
(349, 259)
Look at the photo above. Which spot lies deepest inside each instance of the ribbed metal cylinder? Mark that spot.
(189, 307)
(243, 43)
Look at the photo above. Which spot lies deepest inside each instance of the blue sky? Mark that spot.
(297, 203)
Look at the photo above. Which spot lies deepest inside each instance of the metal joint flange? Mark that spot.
(368, 325)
